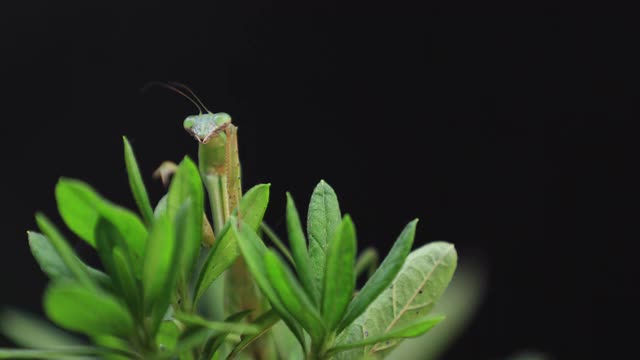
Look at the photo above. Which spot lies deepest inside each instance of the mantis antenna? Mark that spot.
(190, 91)
(173, 88)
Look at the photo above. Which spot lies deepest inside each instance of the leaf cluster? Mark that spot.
(157, 269)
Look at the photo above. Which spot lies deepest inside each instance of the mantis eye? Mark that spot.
(188, 123)
(221, 118)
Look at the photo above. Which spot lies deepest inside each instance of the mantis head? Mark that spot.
(205, 126)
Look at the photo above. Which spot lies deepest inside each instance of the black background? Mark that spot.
(494, 130)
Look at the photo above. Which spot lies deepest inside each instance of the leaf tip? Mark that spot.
(40, 217)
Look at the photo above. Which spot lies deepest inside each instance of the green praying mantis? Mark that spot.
(219, 165)
(218, 158)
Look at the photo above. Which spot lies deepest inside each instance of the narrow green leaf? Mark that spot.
(221, 256)
(121, 348)
(62, 353)
(411, 330)
(81, 207)
(340, 278)
(108, 239)
(275, 239)
(161, 207)
(286, 345)
(167, 291)
(138, 189)
(253, 205)
(186, 184)
(50, 262)
(222, 326)
(158, 258)
(53, 265)
(91, 312)
(292, 295)
(30, 331)
(423, 278)
(253, 250)
(209, 351)
(264, 322)
(383, 276)
(127, 282)
(298, 245)
(63, 249)
(322, 219)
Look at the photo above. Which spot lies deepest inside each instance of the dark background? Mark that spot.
(494, 130)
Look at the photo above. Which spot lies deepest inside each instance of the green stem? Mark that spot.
(319, 350)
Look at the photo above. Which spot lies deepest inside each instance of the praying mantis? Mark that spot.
(218, 158)
(219, 165)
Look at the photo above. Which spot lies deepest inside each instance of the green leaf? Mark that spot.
(121, 348)
(340, 278)
(460, 302)
(53, 265)
(298, 245)
(253, 205)
(222, 326)
(413, 293)
(161, 303)
(127, 282)
(253, 250)
(221, 256)
(63, 249)
(285, 343)
(264, 322)
(383, 276)
(108, 239)
(137, 185)
(275, 239)
(30, 331)
(167, 336)
(225, 250)
(216, 341)
(186, 184)
(81, 207)
(158, 258)
(161, 207)
(91, 312)
(292, 296)
(322, 219)
(62, 353)
(50, 262)
(414, 329)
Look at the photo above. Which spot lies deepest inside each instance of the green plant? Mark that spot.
(161, 294)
